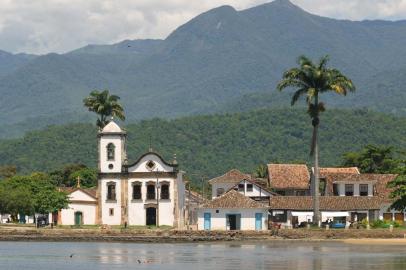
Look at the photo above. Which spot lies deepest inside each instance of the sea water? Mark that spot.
(235, 255)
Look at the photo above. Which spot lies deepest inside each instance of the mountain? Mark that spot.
(211, 145)
(10, 62)
(143, 46)
(211, 64)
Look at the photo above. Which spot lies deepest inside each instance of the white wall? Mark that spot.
(88, 214)
(105, 206)
(79, 195)
(137, 210)
(87, 206)
(257, 191)
(218, 220)
(341, 188)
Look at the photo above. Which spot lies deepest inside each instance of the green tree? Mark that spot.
(63, 177)
(105, 105)
(311, 80)
(88, 177)
(30, 194)
(399, 192)
(261, 171)
(372, 159)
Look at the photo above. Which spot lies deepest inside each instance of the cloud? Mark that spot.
(44, 26)
(356, 9)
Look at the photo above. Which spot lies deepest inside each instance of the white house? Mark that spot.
(82, 207)
(149, 191)
(255, 190)
(222, 184)
(233, 211)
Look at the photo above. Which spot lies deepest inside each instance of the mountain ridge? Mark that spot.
(218, 57)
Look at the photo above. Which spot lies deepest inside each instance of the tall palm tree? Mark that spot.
(105, 105)
(310, 80)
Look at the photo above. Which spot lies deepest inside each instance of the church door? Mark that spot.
(151, 216)
(78, 218)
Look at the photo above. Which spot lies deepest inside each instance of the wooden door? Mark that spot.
(387, 216)
(399, 217)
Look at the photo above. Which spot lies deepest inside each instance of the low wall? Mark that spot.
(117, 235)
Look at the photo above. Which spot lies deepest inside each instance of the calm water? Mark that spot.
(280, 255)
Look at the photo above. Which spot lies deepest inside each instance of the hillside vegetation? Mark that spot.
(211, 145)
(209, 65)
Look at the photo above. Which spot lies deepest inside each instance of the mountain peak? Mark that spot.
(285, 3)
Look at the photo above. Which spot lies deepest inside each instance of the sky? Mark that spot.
(44, 26)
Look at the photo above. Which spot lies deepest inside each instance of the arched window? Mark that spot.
(111, 191)
(165, 191)
(150, 191)
(137, 195)
(110, 151)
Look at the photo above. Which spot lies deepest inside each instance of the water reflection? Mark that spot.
(270, 255)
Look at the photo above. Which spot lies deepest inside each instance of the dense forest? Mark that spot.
(211, 145)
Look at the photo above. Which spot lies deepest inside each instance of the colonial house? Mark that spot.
(225, 182)
(239, 202)
(233, 211)
(149, 191)
(346, 196)
(254, 189)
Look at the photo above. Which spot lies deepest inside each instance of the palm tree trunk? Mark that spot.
(316, 190)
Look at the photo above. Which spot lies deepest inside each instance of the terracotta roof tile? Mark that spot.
(233, 176)
(327, 203)
(324, 171)
(233, 199)
(288, 176)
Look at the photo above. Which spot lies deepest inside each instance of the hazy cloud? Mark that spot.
(43, 26)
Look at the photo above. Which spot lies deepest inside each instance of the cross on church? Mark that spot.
(78, 182)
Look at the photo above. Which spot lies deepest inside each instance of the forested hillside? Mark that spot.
(209, 65)
(210, 145)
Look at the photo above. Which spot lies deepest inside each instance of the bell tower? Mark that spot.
(112, 153)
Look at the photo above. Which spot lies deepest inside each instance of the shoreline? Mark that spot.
(352, 236)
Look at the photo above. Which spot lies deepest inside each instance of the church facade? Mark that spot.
(147, 192)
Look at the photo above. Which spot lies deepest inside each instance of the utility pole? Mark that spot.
(203, 187)
(157, 199)
(188, 209)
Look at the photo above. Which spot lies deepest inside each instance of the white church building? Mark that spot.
(147, 192)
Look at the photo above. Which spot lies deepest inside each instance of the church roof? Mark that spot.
(92, 192)
(112, 127)
(174, 163)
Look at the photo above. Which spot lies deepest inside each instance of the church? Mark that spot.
(147, 192)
